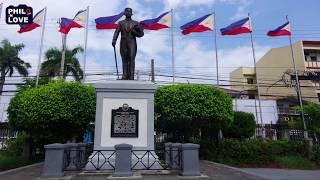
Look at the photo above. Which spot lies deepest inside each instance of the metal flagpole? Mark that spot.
(298, 87)
(172, 49)
(215, 45)
(41, 44)
(85, 46)
(1, 4)
(257, 83)
(64, 42)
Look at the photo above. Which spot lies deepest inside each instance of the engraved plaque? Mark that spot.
(124, 122)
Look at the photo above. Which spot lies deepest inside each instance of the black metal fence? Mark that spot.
(6, 134)
(160, 159)
(104, 160)
(284, 132)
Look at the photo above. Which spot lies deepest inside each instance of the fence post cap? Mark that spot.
(176, 144)
(82, 144)
(55, 146)
(123, 146)
(189, 146)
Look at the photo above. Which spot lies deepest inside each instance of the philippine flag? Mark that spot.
(161, 22)
(37, 22)
(283, 30)
(202, 24)
(78, 21)
(109, 22)
(239, 27)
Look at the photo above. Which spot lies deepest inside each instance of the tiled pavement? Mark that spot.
(209, 170)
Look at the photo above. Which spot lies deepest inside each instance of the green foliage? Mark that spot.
(243, 126)
(187, 109)
(30, 83)
(54, 112)
(312, 112)
(315, 155)
(239, 153)
(11, 62)
(51, 67)
(9, 161)
(294, 162)
(15, 146)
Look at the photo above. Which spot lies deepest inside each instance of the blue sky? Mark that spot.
(194, 54)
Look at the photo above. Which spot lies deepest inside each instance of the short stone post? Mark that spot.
(167, 153)
(123, 160)
(190, 160)
(175, 155)
(54, 160)
(73, 149)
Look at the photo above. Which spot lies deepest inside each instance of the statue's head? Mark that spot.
(128, 12)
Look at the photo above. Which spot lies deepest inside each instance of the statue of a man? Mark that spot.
(129, 29)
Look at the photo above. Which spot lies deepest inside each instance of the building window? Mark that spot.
(250, 81)
(251, 96)
(313, 58)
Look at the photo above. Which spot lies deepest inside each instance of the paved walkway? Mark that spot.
(277, 174)
(25, 173)
(209, 170)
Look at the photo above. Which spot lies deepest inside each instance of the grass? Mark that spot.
(294, 162)
(9, 161)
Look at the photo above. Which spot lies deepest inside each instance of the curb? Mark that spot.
(233, 168)
(19, 168)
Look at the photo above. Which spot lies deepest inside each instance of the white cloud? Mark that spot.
(242, 6)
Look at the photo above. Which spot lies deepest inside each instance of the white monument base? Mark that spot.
(124, 114)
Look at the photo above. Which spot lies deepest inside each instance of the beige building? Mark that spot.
(275, 73)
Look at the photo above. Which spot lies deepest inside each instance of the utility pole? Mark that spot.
(152, 70)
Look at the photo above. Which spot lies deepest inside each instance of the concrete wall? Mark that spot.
(268, 107)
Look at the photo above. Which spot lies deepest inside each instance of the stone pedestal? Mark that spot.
(190, 160)
(116, 101)
(123, 160)
(53, 163)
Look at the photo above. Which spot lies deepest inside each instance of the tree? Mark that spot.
(190, 110)
(51, 67)
(54, 112)
(31, 83)
(242, 126)
(10, 61)
(312, 112)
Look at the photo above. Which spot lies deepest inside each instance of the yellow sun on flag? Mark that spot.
(37, 20)
(79, 18)
(165, 19)
(208, 23)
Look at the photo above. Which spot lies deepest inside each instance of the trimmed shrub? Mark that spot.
(55, 112)
(243, 126)
(187, 110)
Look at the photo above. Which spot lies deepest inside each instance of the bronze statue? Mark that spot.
(129, 29)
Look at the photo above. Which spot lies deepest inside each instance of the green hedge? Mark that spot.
(243, 126)
(235, 152)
